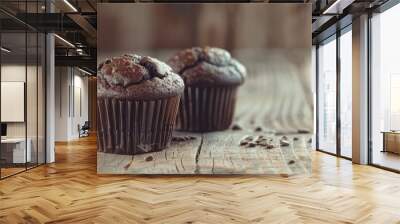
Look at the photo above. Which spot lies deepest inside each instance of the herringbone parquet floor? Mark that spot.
(70, 191)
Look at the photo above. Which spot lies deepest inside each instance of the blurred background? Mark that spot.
(273, 41)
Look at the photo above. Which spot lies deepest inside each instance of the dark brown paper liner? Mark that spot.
(205, 109)
(131, 127)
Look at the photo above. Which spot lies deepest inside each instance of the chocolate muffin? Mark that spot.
(137, 101)
(211, 79)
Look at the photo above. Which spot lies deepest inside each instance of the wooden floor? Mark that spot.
(386, 159)
(70, 191)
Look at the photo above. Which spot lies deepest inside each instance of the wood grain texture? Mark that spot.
(70, 191)
(274, 99)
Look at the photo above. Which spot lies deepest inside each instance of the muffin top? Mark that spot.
(136, 77)
(208, 66)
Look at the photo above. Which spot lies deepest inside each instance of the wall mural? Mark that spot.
(204, 89)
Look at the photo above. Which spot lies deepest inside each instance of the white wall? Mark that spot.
(71, 94)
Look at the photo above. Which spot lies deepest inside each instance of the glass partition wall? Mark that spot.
(345, 62)
(327, 95)
(22, 98)
(385, 89)
(334, 94)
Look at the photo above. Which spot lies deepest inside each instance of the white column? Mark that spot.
(360, 90)
(50, 99)
(50, 92)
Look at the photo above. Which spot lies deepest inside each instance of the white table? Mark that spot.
(17, 147)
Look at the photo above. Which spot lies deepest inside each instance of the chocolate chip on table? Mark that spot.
(309, 140)
(269, 146)
(149, 158)
(259, 139)
(182, 138)
(177, 139)
(284, 137)
(284, 143)
(251, 144)
(236, 127)
(187, 138)
(258, 129)
(295, 139)
(303, 131)
(243, 142)
(291, 162)
(248, 138)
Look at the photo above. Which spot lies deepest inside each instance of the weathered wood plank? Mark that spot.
(272, 98)
(179, 158)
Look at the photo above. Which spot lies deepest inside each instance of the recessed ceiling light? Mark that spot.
(84, 71)
(70, 5)
(337, 7)
(5, 50)
(64, 40)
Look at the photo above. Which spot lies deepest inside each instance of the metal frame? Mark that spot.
(44, 74)
(339, 32)
(387, 5)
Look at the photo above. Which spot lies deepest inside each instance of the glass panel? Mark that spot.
(385, 86)
(327, 97)
(13, 86)
(346, 94)
(32, 97)
(41, 99)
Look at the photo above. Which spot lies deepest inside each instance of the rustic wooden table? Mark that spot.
(277, 102)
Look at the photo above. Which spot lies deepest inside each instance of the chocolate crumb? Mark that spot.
(284, 143)
(269, 146)
(251, 144)
(303, 131)
(284, 137)
(258, 129)
(177, 139)
(243, 142)
(182, 138)
(285, 175)
(309, 140)
(295, 139)
(149, 158)
(236, 127)
(291, 162)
